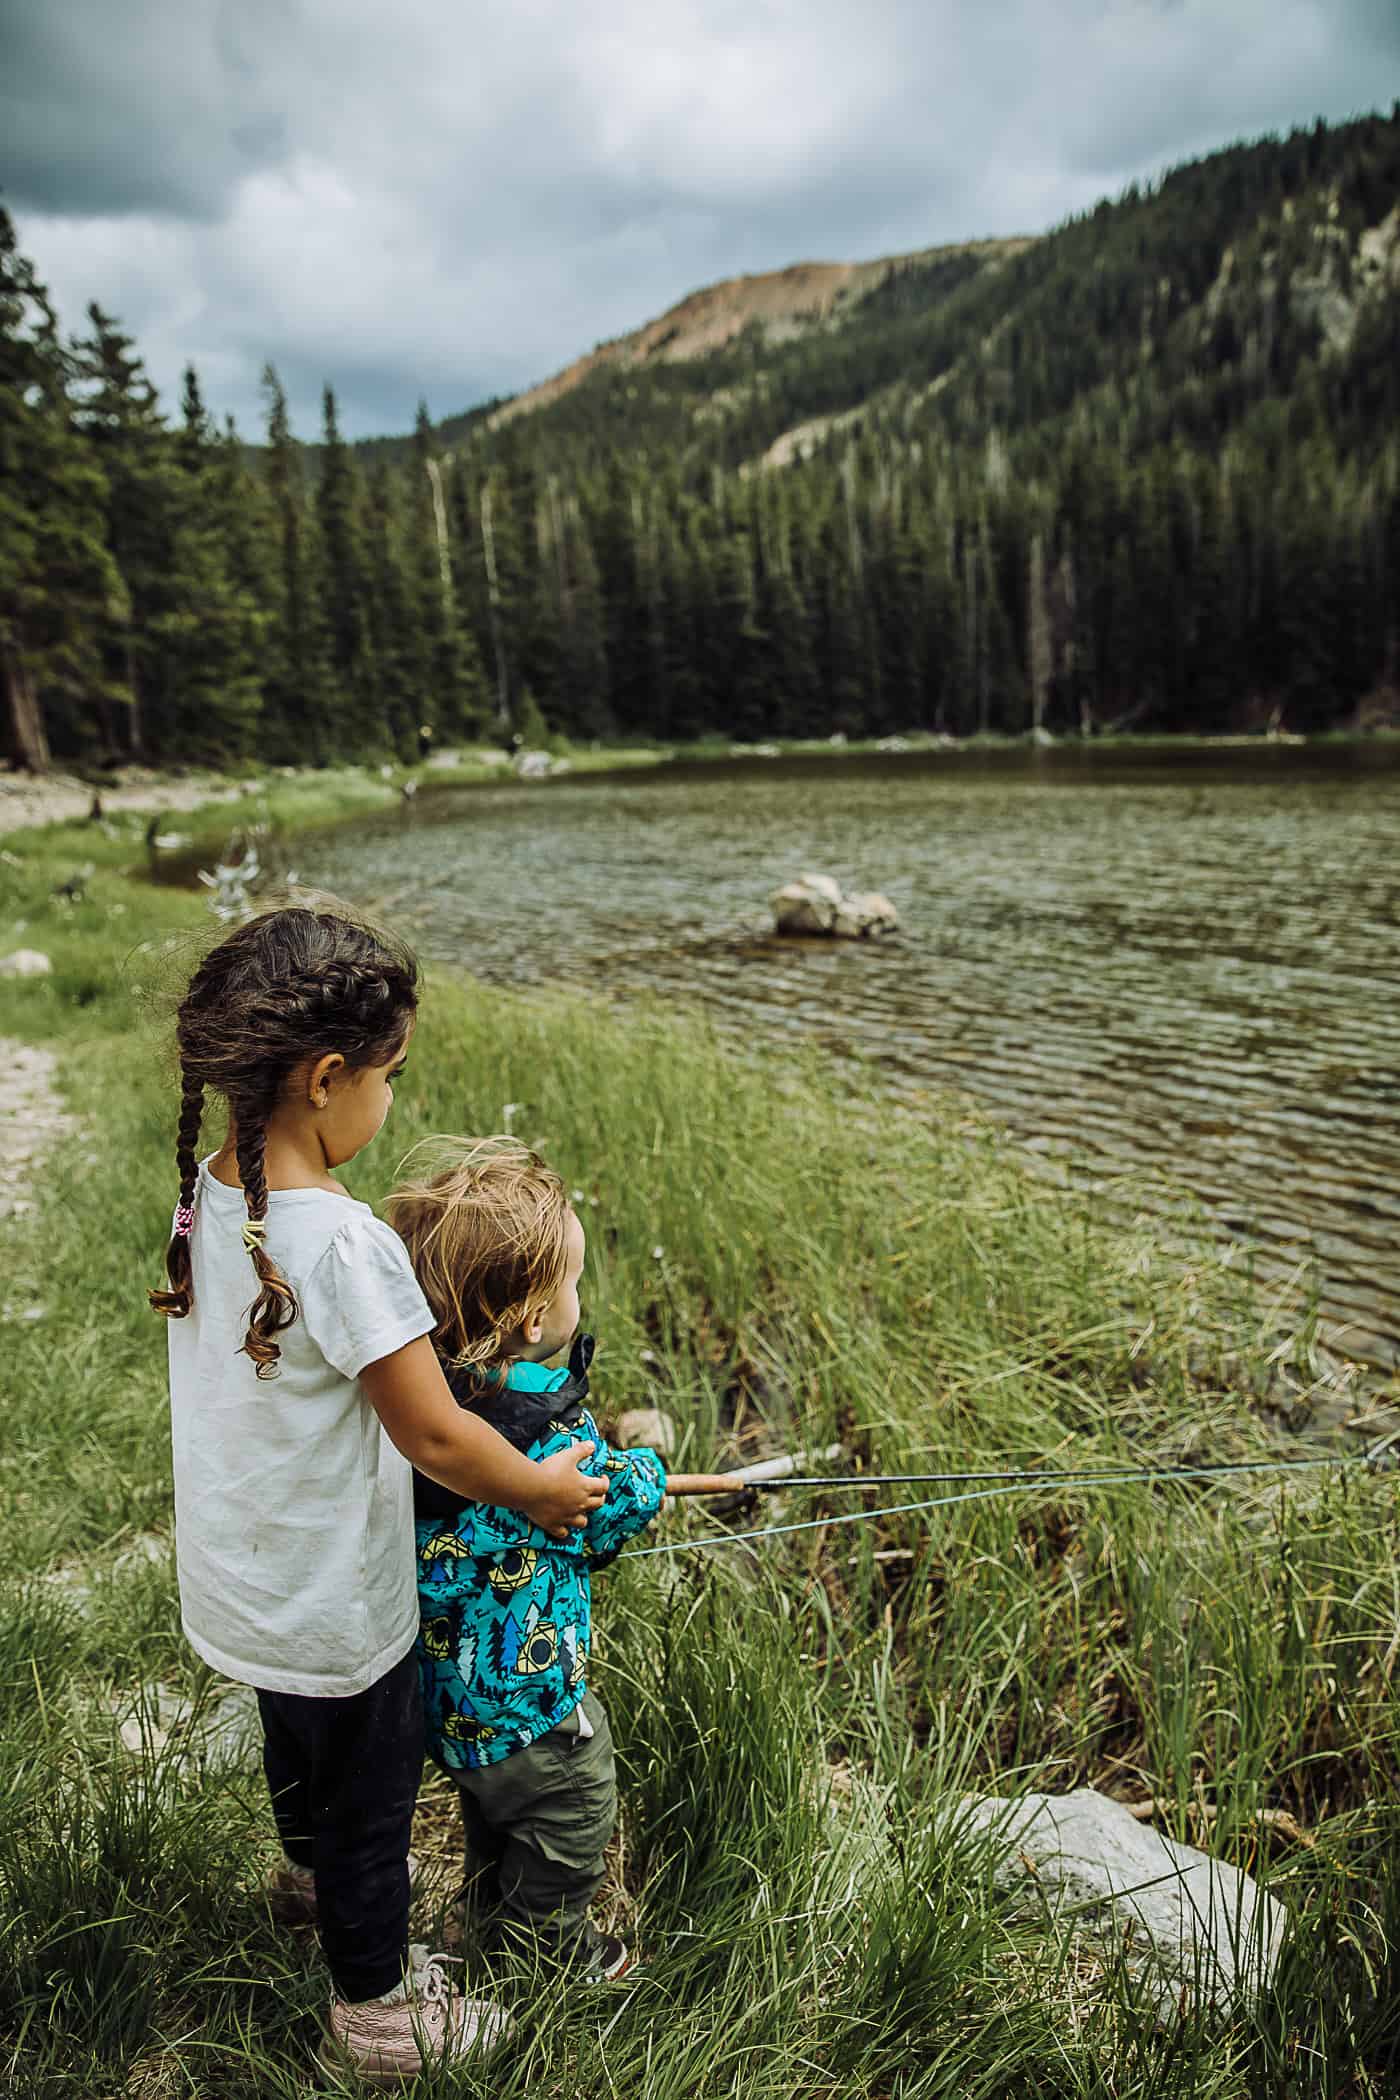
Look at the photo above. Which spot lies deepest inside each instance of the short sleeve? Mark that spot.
(362, 1300)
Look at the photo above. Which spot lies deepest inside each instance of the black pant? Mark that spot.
(343, 1774)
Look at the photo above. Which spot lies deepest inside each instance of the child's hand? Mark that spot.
(566, 1496)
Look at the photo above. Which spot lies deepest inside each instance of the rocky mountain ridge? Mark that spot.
(780, 304)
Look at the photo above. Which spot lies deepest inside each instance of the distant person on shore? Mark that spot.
(294, 1421)
(506, 1610)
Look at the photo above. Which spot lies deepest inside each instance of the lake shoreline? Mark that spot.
(30, 800)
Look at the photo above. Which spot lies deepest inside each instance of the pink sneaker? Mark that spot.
(384, 2044)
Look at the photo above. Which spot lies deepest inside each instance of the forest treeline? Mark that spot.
(1145, 472)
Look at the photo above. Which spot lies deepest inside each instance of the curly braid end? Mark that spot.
(175, 1302)
(275, 1306)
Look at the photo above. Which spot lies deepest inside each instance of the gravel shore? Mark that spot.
(58, 798)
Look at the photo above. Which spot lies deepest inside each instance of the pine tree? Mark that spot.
(582, 684)
(296, 682)
(452, 685)
(119, 414)
(58, 582)
(504, 570)
(210, 638)
(360, 724)
(1039, 645)
(196, 436)
(395, 628)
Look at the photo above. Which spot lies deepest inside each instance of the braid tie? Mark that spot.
(275, 1306)
(177, 1300)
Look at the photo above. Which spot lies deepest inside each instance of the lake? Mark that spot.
(1175, 967)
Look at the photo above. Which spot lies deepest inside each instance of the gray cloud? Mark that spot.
(111, 109)
(456, 200)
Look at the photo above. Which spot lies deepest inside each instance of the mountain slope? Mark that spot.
(778, 303)
(1240, 269)
(1142, 470)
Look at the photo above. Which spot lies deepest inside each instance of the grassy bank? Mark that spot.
(773, 1260)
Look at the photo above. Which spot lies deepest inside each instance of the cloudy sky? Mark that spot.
(454, 197)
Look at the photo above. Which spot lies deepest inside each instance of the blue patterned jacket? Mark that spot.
(506, 1611)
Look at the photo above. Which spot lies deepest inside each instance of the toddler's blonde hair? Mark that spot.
(484, 1223)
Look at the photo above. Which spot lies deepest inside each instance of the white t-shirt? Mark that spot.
(293, 1511)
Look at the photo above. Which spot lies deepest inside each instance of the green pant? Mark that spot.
(536, 1826)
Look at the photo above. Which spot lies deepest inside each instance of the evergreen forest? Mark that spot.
(1140, 473)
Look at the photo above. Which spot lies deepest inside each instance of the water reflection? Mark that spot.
(1175, 964)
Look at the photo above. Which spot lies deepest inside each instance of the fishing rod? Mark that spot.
(778, 1474)
(1005, 1483)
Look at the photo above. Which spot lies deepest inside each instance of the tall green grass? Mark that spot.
(775, 1259)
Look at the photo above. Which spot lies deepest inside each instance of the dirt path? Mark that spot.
(57, 798)
(31, 1120)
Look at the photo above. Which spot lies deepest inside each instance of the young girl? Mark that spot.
(296, 1422)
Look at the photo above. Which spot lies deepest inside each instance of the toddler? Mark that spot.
(505, 1608)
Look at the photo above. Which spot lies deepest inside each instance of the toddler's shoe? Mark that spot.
(389, 2041)
(593, 1957)
(608, 1961)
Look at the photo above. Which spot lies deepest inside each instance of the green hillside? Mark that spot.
(1141, 472)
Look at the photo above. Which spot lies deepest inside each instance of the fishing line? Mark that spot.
(739, 1483)
(1004, 1485)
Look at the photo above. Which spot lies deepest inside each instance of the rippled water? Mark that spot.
(1181, 964)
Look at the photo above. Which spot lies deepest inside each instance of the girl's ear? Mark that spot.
(532, 1327)
(320, 1075)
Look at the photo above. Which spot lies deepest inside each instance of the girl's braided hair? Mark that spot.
(289, 987)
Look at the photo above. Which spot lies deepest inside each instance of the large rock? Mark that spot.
(220, 1728)
(815, 904)
(25, 962)
(864, 916)
(799, 909)
(1193, 1928)
(646, 1428)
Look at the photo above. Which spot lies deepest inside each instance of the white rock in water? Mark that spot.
(866, 914)
(814, 904)
(821, 886)
(533, 765)
(25, 962)
(1186, 1923)
(646, 1427)
(798, 909)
